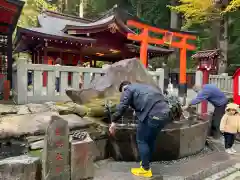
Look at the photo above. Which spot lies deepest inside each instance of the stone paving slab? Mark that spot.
(227, 174)
(123, 176)
(234, 176)
(199, 168)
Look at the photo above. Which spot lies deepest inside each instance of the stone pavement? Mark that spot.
(191, 170)
(197, 168)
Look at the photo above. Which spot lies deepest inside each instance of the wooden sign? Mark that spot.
(56, 165)
(168, 38)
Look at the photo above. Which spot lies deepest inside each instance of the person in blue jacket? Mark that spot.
(217, 98)
(153, 114)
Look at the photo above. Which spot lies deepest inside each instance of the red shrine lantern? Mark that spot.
(236, 87)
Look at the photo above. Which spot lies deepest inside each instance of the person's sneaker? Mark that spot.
(141, 172)
(233, 150)
(229, 151)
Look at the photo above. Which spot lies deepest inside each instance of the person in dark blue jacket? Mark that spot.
(217, 98)
(153, 114)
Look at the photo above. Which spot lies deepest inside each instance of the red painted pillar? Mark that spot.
(144, 47)
(205, 81)
(236, 85)
(6, 90)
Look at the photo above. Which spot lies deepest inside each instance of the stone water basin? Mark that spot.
(178, 139)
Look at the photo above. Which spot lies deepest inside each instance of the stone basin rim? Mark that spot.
(190, 125)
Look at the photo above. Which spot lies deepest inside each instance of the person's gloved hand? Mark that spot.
(112, 128)
(134, 113)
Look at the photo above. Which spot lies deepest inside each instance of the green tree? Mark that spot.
(31, 10)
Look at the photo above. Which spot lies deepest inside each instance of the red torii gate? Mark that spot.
(145, 39)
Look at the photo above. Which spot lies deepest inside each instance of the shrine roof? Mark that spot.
(114, 15)
(47, 18)
(44, 34)
(206, 54)
(54, 25)
(66, 16)
(118, 16)
(48, 33)
(10, 12)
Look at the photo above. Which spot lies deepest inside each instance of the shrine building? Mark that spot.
(77, 40)
(10, 11)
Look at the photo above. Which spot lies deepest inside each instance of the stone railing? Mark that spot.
(35, 92)
(223, 82)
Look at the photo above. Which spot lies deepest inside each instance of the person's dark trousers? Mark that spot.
(147, 132)
(218, 113)
(57, 84)
(228, 139)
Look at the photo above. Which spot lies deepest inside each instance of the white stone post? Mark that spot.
(21, 84)
(160, 73)
(199, 81)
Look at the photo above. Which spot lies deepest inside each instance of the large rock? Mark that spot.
(107, 85)
(22, 109)
(178, 139)
(37, 108)
(20, 168)
(8, 109)
(34, 124)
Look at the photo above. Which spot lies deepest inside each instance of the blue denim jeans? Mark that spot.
(147, 132)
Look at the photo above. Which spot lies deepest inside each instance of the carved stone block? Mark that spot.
(82, 156)
(20, 168)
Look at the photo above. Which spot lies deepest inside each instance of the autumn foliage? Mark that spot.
(200, 11)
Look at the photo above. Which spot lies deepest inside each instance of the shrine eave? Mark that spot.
(10, 13)
(206, 54)
(42, 34)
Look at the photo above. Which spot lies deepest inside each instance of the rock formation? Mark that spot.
(108, 84)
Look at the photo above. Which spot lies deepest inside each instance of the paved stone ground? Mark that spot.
(236, 175)
(193, 169)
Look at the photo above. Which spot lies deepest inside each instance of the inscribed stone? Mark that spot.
(56, 164)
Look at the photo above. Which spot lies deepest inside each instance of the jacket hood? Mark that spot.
(232, 106)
